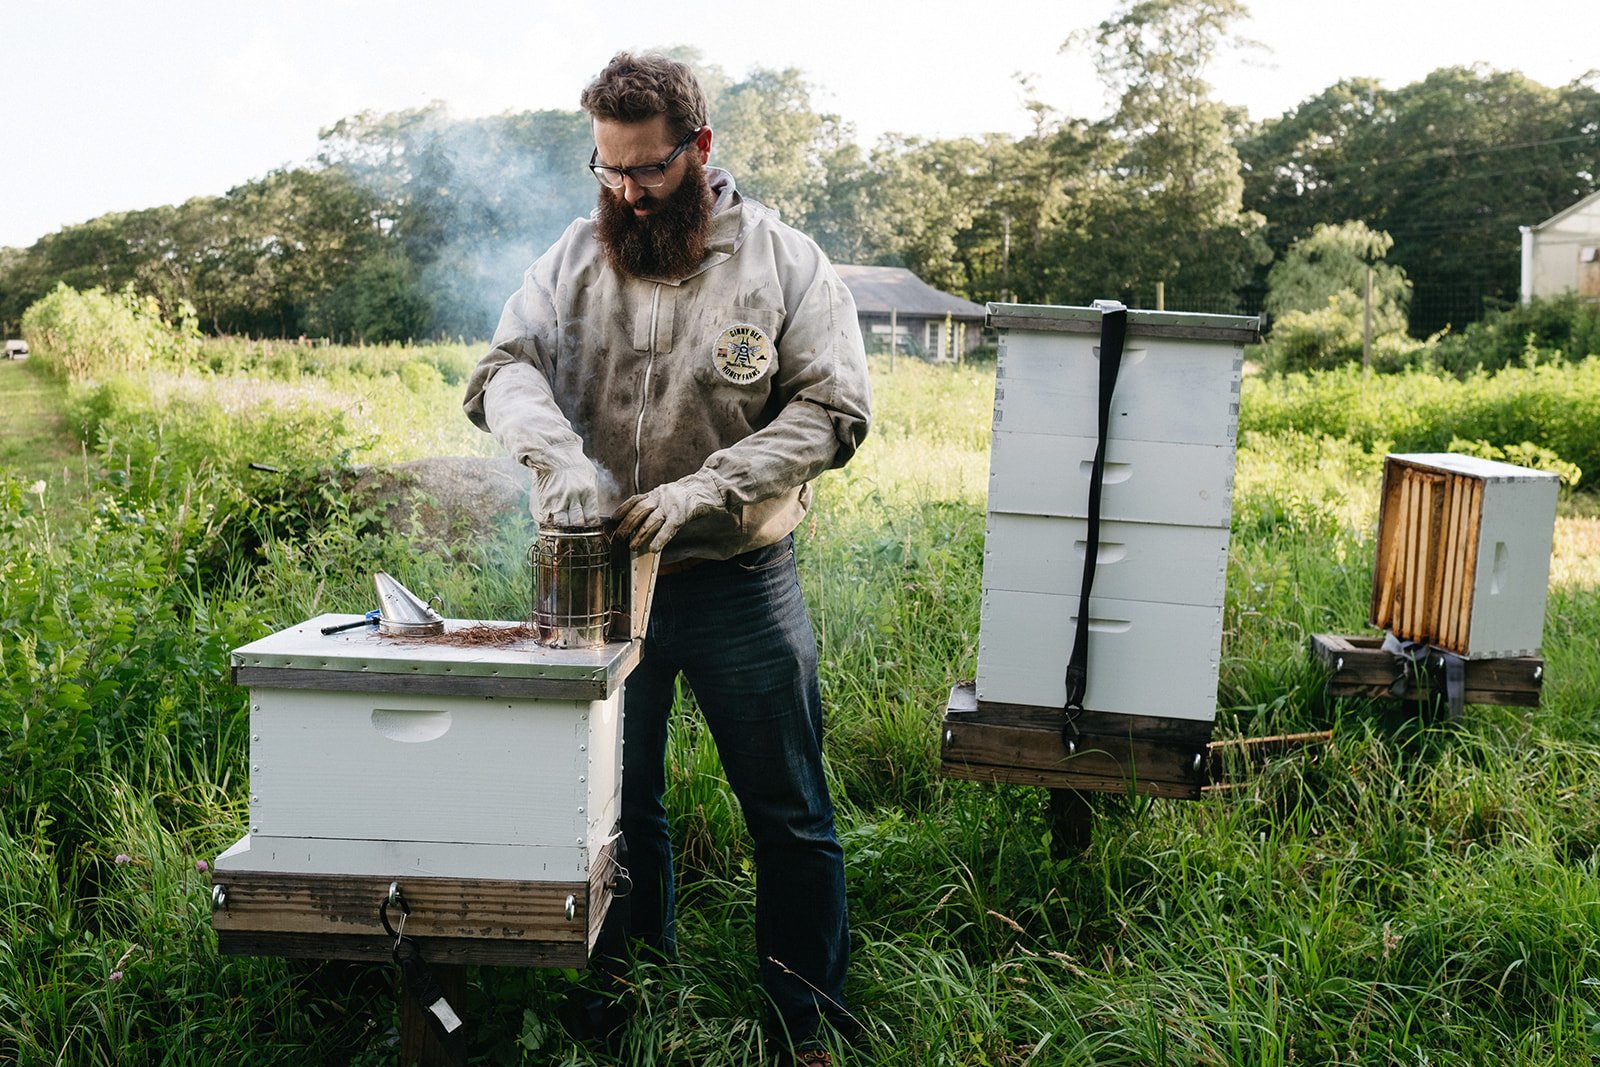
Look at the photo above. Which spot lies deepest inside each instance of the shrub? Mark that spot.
(1312, 340)
(1330, 266)
(1331, 337)
(102, 649)
(420, 377)
(82, 335)
(253, 465)
(1545, 330)
(1525, 454)
(1555, 407)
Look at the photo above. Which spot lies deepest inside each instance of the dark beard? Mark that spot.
(671, 241)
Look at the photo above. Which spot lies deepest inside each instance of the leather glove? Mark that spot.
(651, 519)
(568, 495)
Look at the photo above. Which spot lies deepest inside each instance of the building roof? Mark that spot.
(880, 290)
(1553, 220)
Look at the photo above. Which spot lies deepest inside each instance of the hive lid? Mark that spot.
(297, 656)
(1489, 470)
(1240, 329)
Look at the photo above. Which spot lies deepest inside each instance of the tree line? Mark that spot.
(417, 223)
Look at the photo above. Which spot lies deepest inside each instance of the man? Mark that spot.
(684, 346)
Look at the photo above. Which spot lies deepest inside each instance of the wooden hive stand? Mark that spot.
(1119, 754)
(1358, 667)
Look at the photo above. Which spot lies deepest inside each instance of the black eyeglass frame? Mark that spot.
(639, 173)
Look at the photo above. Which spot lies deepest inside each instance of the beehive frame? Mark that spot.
(1427, 552)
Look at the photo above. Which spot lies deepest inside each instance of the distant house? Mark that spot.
(1562, 253)
(929, 323)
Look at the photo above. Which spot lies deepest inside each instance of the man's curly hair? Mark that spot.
(636, 88)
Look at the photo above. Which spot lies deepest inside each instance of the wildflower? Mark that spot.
(202, 866)
(116, 976)
(37, 487)
(121, 858)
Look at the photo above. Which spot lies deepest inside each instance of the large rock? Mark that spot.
(445, 498)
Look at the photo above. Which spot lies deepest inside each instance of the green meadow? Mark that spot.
(1412, 892)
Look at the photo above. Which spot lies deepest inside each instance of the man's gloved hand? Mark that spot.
(651, 519)
(567, 495)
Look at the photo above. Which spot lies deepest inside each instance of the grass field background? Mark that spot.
(1410, 893)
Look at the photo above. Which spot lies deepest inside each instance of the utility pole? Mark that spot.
(1005, 257)
(894, 335)
(1366, 324)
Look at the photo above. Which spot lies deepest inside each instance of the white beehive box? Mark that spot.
(379, 755)
(479, 782)
(1156, 612)
(1463, 561)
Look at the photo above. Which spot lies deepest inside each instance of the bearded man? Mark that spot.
(706, 358)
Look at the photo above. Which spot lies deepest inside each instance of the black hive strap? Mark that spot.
(1113, 329)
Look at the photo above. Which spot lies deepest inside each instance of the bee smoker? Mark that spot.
(588, 588)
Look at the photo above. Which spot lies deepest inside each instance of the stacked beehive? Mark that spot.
(1156, 612)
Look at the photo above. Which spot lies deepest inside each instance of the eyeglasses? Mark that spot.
(647, 176)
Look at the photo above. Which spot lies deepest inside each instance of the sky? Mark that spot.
(114, 106)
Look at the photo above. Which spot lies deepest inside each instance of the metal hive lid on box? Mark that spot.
(1490, 470)
(1243, 329)
(302, 657)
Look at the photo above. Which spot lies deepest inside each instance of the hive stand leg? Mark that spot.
(1071, 823)
(420, 1045)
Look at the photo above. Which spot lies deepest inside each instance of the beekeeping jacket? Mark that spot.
(751, 368)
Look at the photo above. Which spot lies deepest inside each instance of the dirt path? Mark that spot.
(34, 440)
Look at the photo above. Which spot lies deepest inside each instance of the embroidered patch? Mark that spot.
(742, 354)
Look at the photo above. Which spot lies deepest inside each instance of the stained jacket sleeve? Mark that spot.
(509, 392)
(822, 381)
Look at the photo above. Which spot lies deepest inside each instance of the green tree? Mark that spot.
(1290, 162)
(1450, 166)
(771, 141)
(276, 246)
(389, 305)
(847, 220)
(1060, 201)
(925, 196)
(1173, 209)
(1317, 295)
(255, 260)
(18, 288)
(1330, 265)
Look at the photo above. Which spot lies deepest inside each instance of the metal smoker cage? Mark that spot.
(571, 588)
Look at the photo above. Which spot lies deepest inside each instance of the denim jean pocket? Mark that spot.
(764, 559)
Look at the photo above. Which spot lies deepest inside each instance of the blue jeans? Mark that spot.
(739, 633)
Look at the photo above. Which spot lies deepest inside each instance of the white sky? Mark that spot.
(110, 105)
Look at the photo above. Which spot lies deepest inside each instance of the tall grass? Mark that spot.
(1410, 893)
